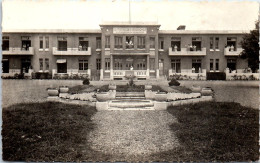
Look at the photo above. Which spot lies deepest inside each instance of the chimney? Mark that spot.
(181, 27)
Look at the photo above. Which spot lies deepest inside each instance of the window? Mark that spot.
(98, 42)
(152, 42)
(5, 45)
(118, 42)
(62, 43)
(141, 64)
(161, 43)
(176, 43)
(83, 64)
(196, 44)
(217, 64)
(41, 63)
(83, 44)
(41, 42)
(231, 43)
(118, 64)
(211, 64)
(107, 64)
(216, 43)
(98, 61)
(211, 43)
(176, 65)
(26, 42)
(129, 63)
(152, 63)
(107, 42)
(231, 64)
(141, 42)
(47, 42)
(129, 42)
(47, 65)
(196, 65)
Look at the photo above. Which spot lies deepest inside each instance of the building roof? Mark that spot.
(51, 31)
(203, 31)
(144, 24)
(129, 24)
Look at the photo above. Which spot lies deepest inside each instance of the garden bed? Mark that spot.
(82, 89)
(181, 89)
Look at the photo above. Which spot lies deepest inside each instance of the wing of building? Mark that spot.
(117, 49)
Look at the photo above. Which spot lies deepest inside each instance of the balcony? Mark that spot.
(136, 73)
(18, 51)
(186, 52)
(236, 52)
(72, 51)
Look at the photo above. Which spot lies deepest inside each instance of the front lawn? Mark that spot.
(215, 132)
(46, 132)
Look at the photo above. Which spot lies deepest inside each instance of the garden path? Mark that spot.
(128, 134)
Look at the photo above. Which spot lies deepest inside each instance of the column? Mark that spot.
(111, 67)
(102, 57)
(101, 74)
(156, 57)
(148, 67)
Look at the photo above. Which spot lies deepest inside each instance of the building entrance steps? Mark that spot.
(130, 101)
(130, 94)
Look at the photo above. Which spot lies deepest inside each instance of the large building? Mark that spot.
(118, 49)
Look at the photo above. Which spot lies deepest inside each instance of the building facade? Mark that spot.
(118, 50)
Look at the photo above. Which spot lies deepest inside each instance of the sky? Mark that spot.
(82, 14)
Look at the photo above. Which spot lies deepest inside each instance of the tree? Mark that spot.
(251, 48)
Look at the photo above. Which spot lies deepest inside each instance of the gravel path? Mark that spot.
(126, 134)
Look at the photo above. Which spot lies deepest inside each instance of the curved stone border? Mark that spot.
(160, 103)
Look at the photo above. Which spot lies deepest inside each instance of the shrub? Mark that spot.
(86, 82)
(251, 77)
(174, 82)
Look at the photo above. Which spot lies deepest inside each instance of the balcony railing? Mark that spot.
(140, 72)
(187, 52)
(229, 52)
(122, 73)
(72, 51)
(18, 51)
(119, 72)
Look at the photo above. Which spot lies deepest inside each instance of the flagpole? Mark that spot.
(129, 11)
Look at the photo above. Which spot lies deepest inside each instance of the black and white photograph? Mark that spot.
(130, 81)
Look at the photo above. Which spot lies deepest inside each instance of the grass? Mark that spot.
(51, 131)
(215, 132)
(46, 132)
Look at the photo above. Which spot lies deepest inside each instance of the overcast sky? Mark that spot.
(74, 14)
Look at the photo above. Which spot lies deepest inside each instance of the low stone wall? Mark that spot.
(82, 96)
(159, 100)
(151, 95)
(181, 96)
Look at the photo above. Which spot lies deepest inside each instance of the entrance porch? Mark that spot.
(121, 67)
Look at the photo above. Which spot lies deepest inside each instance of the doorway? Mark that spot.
(161, 67)
(62, 67)
(25, 66)
(5, 66)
